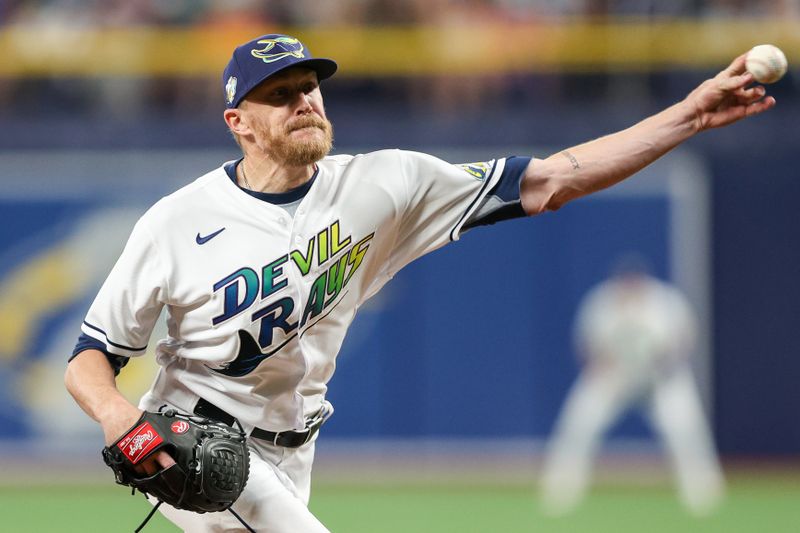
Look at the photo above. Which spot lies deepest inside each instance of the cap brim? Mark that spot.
(325, 68)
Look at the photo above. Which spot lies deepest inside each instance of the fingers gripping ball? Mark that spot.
(767, 63)
(211, 460)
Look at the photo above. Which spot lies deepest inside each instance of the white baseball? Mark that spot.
(766, 62)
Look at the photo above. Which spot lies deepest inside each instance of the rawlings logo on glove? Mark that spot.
(211, 460)
(139, 442)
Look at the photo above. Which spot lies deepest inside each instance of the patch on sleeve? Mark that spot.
(477, 170)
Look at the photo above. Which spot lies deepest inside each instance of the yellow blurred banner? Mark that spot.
(574, 46)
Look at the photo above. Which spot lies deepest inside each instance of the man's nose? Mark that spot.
(303, 104)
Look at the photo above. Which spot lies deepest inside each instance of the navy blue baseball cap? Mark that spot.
(257, 60)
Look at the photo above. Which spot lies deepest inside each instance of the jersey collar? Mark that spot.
(277, 198)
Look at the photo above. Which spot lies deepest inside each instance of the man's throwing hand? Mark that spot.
(726, 97)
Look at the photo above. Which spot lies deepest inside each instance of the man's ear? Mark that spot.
(235, 122)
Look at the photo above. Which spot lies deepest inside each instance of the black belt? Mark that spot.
(287, 439)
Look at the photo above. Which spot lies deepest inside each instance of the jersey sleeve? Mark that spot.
(683, 322)
(441, 198)
(128, 304)
(86, 342)
(587, 323)
(503, 200)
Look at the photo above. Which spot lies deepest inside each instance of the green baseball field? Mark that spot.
(756, 502)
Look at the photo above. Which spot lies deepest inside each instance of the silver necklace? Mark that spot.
(244, 177)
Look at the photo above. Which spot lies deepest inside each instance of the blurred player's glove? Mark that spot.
(211, 460)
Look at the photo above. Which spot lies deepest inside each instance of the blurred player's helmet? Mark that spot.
(257, 60)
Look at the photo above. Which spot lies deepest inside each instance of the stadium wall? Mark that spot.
(449, 349)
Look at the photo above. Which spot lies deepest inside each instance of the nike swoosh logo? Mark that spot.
(203, 240)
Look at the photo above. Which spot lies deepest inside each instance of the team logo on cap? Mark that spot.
(230, 89)
(278, 48)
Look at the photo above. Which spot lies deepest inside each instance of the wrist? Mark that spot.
(689, 116)
(116, 417)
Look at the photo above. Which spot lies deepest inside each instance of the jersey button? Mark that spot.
(298, 240)
(282, 221)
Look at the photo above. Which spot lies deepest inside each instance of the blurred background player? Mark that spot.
(635, 335)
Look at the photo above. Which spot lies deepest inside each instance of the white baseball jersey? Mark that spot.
(259, 300)
(636, 322)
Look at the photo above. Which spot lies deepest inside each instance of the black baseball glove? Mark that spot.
(211, 460)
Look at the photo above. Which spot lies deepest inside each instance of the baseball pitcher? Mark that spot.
(263, 262)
